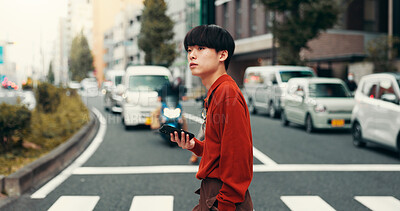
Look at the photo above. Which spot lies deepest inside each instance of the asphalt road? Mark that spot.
(136, 169)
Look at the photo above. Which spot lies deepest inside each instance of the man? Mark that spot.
(226, 167)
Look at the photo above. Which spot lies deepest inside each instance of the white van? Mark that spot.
(141, 84)
(265, 86)
(112, 99)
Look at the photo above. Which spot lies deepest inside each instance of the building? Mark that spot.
(121, 40)
(331, 53)
(104, 12)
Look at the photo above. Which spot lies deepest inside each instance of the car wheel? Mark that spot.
(309, 124)
(357, 135)
(271, 110)
(252, 109)
(285, 122)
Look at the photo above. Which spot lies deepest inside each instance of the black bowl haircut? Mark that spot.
(211, 36)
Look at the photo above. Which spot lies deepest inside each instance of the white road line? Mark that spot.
(256, 168)
(256, 153)
(81, 203)
(151, 203)
(379, 203)
(55, 182)
(135, 170)
(306, 203)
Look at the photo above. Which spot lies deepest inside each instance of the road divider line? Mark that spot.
(60, 178)
(136, 170)
(256, 153)
(150, 203)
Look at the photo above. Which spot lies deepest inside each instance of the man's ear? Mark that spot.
(223, 55)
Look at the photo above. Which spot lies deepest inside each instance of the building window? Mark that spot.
(370, 15)
(226, 15)
(252, 13)
(238, 21)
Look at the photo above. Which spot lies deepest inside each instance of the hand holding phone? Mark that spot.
(167, 129)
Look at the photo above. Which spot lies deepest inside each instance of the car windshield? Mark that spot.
(328, 90)
(118, 80)
(147, 82)
(286, 75)
(398, 83)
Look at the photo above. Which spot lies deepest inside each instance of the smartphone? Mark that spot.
(167, 129)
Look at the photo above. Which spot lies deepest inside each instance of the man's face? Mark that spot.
(202, 60)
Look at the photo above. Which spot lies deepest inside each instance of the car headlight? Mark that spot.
(172, 113)
(319, 108)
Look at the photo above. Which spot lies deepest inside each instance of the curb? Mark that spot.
(48, 166)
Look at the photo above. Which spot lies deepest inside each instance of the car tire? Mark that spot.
(252, 108)
(285, 122)
(356, 132)
(309, 124)
(272, 111)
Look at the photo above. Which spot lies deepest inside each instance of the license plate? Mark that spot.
(337, 122)
(148, 121)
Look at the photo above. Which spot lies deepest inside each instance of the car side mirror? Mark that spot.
(390, 98)
(299, 93)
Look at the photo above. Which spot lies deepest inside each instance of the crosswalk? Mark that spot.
(166, 203)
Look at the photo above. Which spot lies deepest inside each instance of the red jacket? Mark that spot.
(227, 150)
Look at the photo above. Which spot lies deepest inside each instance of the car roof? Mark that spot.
(115, 72)
(396, 75)
(313, 80)
(148, 70)
(271, 68)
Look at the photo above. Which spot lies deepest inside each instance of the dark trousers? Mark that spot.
(208, 192)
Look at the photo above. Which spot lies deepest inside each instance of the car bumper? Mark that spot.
(332, 121)
(136, 115)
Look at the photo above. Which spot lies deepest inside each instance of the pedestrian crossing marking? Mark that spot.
(379, 203)
(151, 203)
(306, 203)
(76, 203)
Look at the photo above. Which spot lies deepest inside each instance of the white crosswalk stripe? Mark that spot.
(166, 203)
(379, 203)
(306, 203)
(150, 203)
(76, 203)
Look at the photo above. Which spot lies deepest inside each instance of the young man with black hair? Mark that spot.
(226, 167)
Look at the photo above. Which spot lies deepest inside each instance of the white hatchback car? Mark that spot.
(318, 103)
(376, 114)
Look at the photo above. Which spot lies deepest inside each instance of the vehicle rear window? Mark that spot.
(147, 82)
(328, 90)
(253, 78)
(286, 75)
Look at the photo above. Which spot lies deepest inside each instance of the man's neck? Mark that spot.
(209, 80)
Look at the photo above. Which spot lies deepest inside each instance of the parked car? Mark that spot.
(141, 85)
(265, 86)
(112, 99)
(89, 87)
(318, 103)
(376, 114)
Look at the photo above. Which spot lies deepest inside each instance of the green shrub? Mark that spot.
(48, 98)
(14, 121)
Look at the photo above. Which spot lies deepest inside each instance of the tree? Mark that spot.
(156, 34)
(80, 58)
(378, 53)
(297, 22)
(50, 75)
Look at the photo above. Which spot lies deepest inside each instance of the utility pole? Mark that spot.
(390, 29)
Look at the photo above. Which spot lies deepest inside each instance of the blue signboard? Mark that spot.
(1, 55)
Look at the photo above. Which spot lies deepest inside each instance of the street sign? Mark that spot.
(1, 55)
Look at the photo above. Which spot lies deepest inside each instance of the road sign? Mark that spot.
(1, 55)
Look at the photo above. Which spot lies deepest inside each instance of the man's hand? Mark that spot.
(184, 142)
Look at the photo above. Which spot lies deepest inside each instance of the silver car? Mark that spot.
(318, 103)
(376, 115)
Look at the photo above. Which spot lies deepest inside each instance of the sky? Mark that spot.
(31, 25)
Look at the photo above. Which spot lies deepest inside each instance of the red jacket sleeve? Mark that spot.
(198, 147)
(236, 161)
